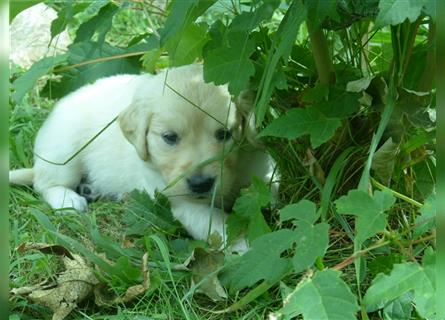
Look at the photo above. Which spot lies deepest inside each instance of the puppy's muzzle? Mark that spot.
(200, 183)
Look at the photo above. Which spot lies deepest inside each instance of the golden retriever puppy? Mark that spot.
(174, 133)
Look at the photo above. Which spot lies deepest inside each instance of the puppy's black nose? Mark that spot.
(200, 183)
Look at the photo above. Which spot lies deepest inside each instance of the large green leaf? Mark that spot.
(100, 24)
(318, 10)
(182, 14)
(324, 297)
(311, 240)
(392, 12)
(263, 260)
(299, 122)
(142, 213)
(341, 104)
(67, 12)
(319, 120)
(103, 64)
(427, 219)
(28, 80)
(406, 277)
(15, 7)
(230, 64)
(247, 211)
(370, 211)
(187, 45)
(282, 44)
(303, 210)
(247, 21)
(400, 308)
(253, 198)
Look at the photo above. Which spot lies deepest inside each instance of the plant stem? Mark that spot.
(426, 80)
(396, 194)
(103, 59)
(321, 54)
(360, 253)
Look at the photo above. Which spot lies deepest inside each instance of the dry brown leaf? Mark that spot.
(204, 266)
(72, 286)
(76, 283)
(44, 248)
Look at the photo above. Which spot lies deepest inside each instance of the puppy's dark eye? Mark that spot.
(170, 137)
(223, 135)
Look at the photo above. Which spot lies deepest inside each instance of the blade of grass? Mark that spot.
(165, 256)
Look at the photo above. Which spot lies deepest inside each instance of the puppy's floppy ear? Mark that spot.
(246, 116)
(133, 122)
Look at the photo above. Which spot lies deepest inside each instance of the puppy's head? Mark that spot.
(190, 131)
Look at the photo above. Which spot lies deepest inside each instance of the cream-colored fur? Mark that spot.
(132, 153)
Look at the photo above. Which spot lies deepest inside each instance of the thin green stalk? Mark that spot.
(427, 78)
(81, 149)
(396, 194)
(165, 256)
(321, 55)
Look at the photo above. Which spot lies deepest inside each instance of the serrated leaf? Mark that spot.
(319, 10)
(341, 104)
(100, 24)
(253, 198)
(303, 210)
(28, 80)
(318, 93)
(230, 64)
(324, 297)
(257, 227)
(182, 14)
(263, 261)
(247, 21)
(427, 219)
(187, 45)
(299, 122)
(150, 59)
(15, 7)
(236, 226)
(312, 242)
(282, 44)
(81, 52)
(393, 12)
(64, 16)
(383, 263)
(370, 211)
(124, 269)
(404, 278)
(141, 213)
(401, 308)
(248, 208)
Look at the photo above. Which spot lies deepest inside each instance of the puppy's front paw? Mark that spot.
(64, 199)
(86, 191)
